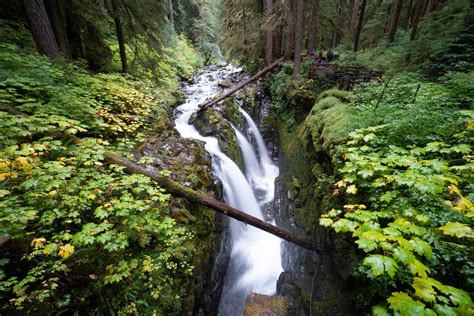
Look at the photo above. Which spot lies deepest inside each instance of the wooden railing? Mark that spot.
(345, 76)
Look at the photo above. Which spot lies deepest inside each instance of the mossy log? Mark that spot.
(214, 101)
(178, 189)
(175, 188)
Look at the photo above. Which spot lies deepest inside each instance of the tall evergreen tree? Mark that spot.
(269, 32)
(58, 23)
(41, 29)
(397, 8)
(120, 37)
(359, 25)
(313, 27)
(290, 30)
(298, 38)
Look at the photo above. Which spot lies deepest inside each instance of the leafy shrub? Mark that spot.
(407, 212)
(292, 100)
(76, 233)
(430, 116)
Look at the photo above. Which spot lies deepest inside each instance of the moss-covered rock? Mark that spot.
(260, 305)
(186, 161)
(309, 159)
(211, 122)
(328, 122)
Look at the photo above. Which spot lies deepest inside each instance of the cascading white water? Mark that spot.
(255, 262)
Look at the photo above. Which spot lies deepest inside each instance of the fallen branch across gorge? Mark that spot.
(178, 189)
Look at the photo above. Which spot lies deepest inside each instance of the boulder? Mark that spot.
(264, 305)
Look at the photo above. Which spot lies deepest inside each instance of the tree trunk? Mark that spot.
(406, 16)
(269, 32)
(197, 197)
(359, 25)
(298, 38)
(58, 23)
(40, 27)
(73, 31)
(416, 19)
(171, 14)
(121, 41)
(290, 31)
(277, 32)
(394, 21)
(355, 14)
(313, 28)
(335, 31)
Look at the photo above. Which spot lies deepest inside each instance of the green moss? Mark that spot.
(329, 121)
(212, 123)
(345, 96)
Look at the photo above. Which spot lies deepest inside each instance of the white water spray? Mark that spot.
(255, 262)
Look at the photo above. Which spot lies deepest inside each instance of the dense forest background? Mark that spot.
(82, 78)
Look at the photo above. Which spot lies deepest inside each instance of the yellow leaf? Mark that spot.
(37, 242)
(4, 164)
(351, 189)
(66, 250)
(341, 184)
(23, 163)
(53, 193)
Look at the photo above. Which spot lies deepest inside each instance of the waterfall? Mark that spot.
(255, 262)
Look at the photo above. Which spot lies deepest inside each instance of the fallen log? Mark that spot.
(178, 189)
(214, 101)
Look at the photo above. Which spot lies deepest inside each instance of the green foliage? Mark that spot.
(78, 234)
(443, 43)
(413, 120)
(292, 100)
(404, 206)
(242, 24)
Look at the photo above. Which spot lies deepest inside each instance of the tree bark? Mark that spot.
(178, 189)
(359, 25)
(355, 14)
(298, 39)
(277, 31)
(335, 31)
(73, 31)
(58, 23)
(171, 14)
(394, 21)
(41, 29)
(405, 17)
(197, 197)
(416, 19)
(210, 103)
(269, 32)
(120, 37)
(313, 28)
(290, 31)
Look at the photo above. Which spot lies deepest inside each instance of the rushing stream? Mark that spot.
(255, 262)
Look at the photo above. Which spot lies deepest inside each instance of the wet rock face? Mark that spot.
(212, 122)
(321, 284)
(185, 159)
(187, 162)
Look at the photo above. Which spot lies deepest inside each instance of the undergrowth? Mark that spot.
(75, 232)
(405, 193)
